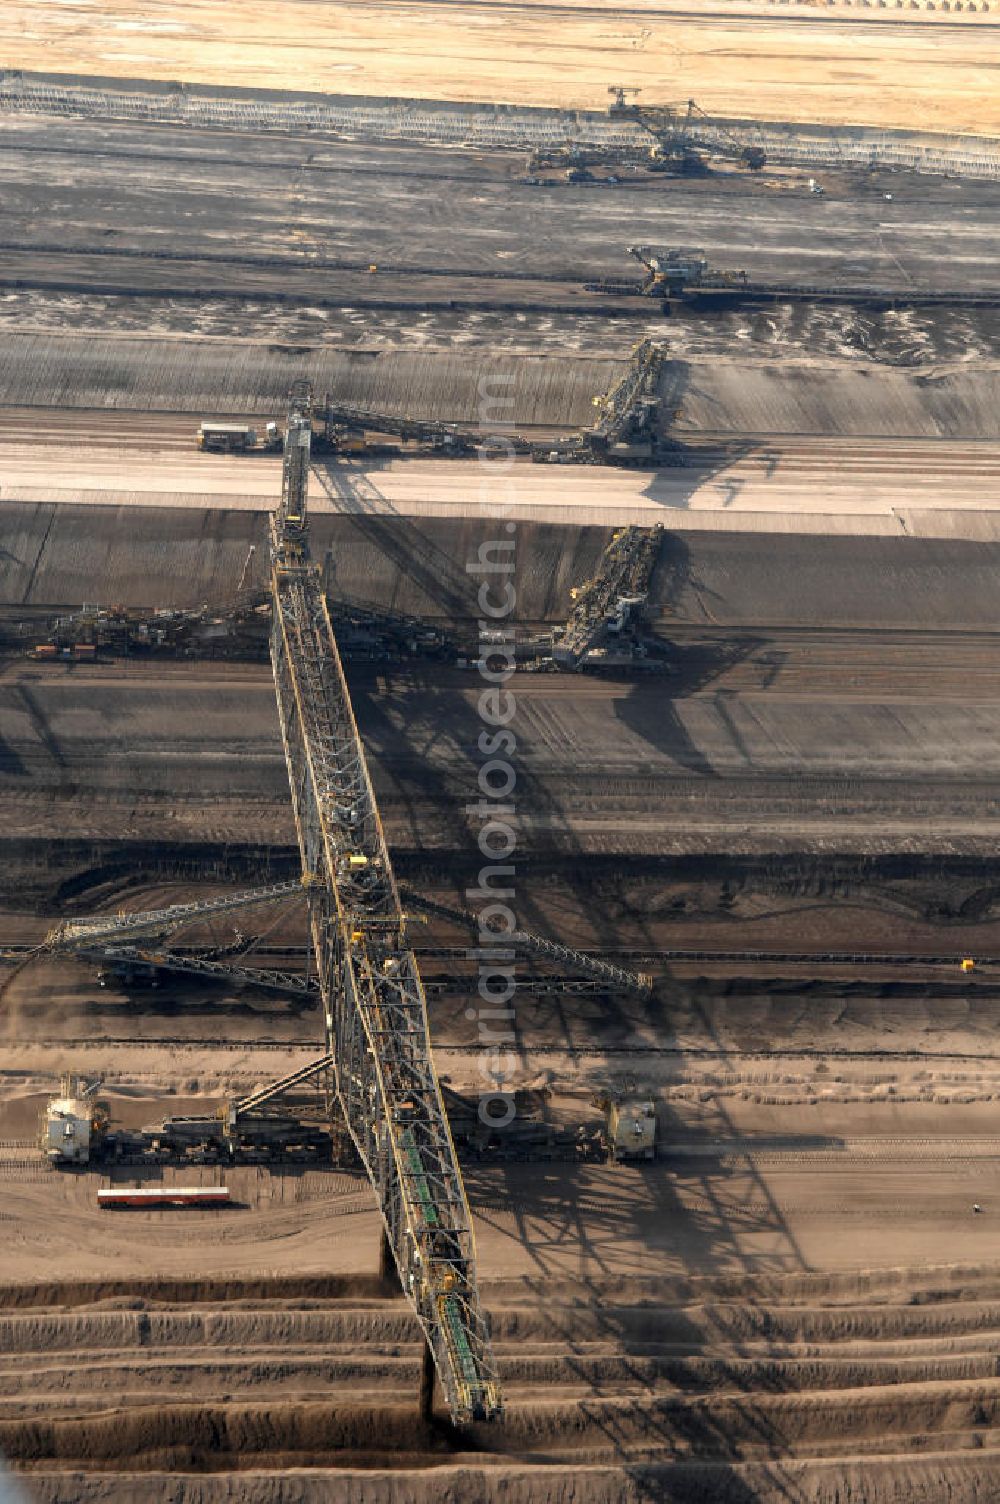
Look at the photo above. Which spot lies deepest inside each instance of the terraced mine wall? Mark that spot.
(66, 554)
(162, 557)
(213, 377)
(835, 398)
(494, 126)
(219, 376)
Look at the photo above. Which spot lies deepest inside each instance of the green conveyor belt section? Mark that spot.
(459, 1341)
(419, 1178)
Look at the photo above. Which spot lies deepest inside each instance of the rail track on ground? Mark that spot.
(712, 287)
(545, 1048)
(141, 273)
(778, 455)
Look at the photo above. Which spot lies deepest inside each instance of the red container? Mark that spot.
(170, 1196)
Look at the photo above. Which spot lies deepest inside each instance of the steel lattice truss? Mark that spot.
(374, 1004)
(620, 405)
(146, 937)
(623, 571)
(602, 973)
(110, 931)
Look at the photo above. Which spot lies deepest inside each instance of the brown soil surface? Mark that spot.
(798, 1299)
(726, 1390)
(908, 72)
(757, 743)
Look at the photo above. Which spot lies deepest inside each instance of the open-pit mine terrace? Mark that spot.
(923, 487)
(792, 829)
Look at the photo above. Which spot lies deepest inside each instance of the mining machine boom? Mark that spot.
(146, 938)
(625, 429)
(345, 425)
(619, 586)
(682, 140)
(373, 999)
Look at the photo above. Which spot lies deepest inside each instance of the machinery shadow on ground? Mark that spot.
(674, 486)
(695, 1232)
(414, 735)
(707, 1214)
(441, 576)
(28, 706)
(425, 741)
(650, 707)
(715, 1481)
(703, 1207)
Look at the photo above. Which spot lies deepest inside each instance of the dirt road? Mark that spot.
(860, 485)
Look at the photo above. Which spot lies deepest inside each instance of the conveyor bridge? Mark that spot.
(374, 1005)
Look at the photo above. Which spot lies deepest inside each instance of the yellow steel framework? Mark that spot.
(373, 998)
